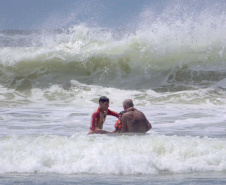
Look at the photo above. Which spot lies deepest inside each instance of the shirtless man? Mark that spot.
(99, 116)
(134, 120)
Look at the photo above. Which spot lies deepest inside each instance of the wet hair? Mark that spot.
(103, 99)
(128, 103)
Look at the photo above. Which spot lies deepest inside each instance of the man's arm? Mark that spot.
(148, 125)
(112, 113)
(100, 131)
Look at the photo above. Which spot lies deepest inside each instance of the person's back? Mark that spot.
(134, 120)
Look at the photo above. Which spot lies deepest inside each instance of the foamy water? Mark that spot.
(31, 143)
(120, 154)
(170, 63)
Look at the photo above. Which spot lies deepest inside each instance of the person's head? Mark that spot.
(103, 103)
(127, 104)
(120, 115)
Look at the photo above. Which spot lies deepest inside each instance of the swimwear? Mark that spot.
(98, 119)
(118, 125)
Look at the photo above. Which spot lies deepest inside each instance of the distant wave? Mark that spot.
(176, 55)
(94, 56)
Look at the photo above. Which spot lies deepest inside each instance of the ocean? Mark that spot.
(174, 70)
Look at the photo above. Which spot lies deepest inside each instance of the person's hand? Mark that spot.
(98, 130)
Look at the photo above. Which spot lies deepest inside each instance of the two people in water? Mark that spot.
(129, 120)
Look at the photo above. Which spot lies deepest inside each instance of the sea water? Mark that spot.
(50, 145)
(174, 70)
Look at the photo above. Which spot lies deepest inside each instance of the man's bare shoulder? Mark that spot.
(126, 115)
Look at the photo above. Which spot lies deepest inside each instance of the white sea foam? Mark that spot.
(120, 154)
(172, 65)
(80, 95)
(141, 59)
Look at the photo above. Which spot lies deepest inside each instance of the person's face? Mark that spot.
(104, 105)
(120, 117)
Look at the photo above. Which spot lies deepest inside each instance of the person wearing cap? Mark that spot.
(99, 116)
(133, 120)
